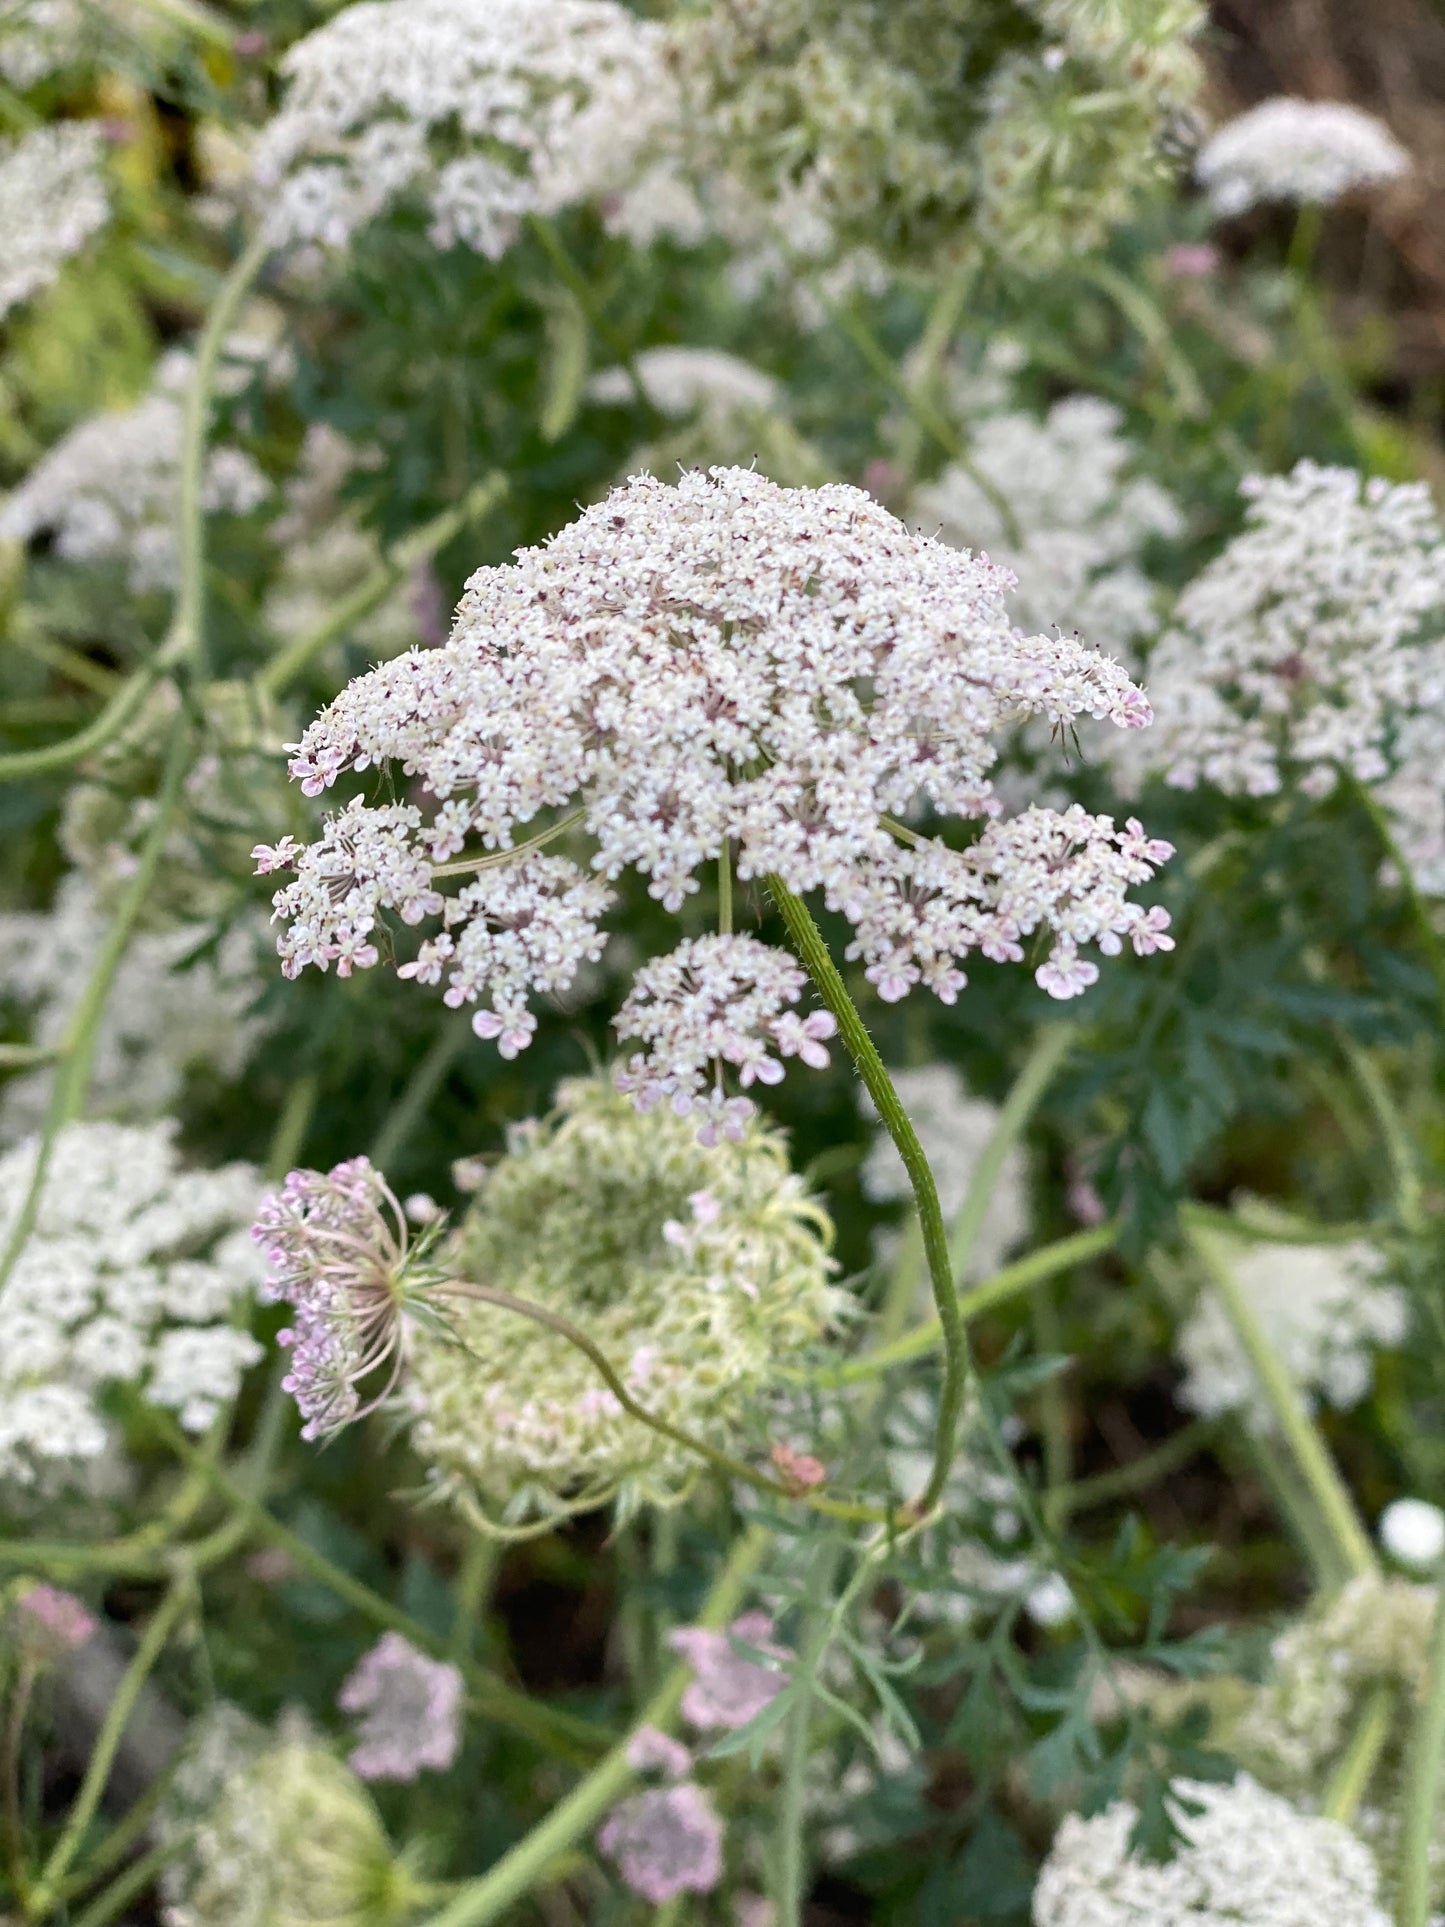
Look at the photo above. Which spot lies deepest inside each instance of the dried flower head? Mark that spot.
(1081, 517)
(1303, 648)
(482, 112)
(132, 1273)
(666, 1841)
(1247, 1856)
(954, 1130)
(726, 662)
(728, 1688)
(271, 1830)
(920, 129)
(52, 200)
(339, 1251)
(106, 492)
(697, 1271)
(1297, 150)
(408, 1711)
(1324, 1310)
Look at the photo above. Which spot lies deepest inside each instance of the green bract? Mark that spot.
(696, 1270)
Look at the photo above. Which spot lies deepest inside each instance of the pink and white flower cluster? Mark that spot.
(407, 1709)
(720, 665)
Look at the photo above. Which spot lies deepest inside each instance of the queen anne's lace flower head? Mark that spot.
(1081, 517)
(131, 1276)
(728, 1687)
(954, 1130)
(723, 662)
(106, 492)
(1247, 1856)
(271, 1830)
(1307, 644)
(1325, 1312)
(697, 1271)
(52, 199)
(1297, 150)
(918, 128)
(408, 1711)
(482, 111)
(666, 1841)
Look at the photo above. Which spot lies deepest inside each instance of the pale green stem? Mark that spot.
(577, 285)
(420, 1088)
(559, 1732)
(297, 1111)
(1298, 1429)
(494, 859)
(400, 558)
(576, 1817)
(1423, 1779)
(1009, 1283)
(163, 1622)
(77, 1047)
(1137, 307)
(1050, 1048)
(23, 1057)
(472, 1589)
(791, 1865)
(1356, 1768)
(129, 1884)
(879, 360)
(187, 636)
(1103, 1488)
(1053, 1411)
(725, 889)
(196, 19)
(1399, 1149)
(808, 941)
(104, 728)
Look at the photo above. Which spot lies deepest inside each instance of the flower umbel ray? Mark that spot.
(341, 1254)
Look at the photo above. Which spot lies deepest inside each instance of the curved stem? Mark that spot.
(527, 1864)
(419, 546)
(187, 631)
(102, 729)
(1050, 1048)
(1423, 1779)
(77, 1048)
(163, 1623)
(1125, 1480)
(1299, 1430)
(1399, 1149)
(957, 1368)
(723, 1461)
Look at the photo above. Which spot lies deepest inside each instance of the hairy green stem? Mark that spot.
(1301, 1434)
(419, 546)
(187, 638)
(77, 1048)
(808, 941)
(527, 1864)
(1424, 1775)
(1013, 1281)
(163, 1622)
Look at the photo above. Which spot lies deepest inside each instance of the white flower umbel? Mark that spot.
(131, 1276)
(1412, 1532)
(39, 38)
(697, 1272)
(1305, 151)
(1247, 1856)
(167, 1016)
(720, 663)
(481, 112)
(1325, 1313)
(681, 381)
(1307, 643)
(52, 199)
(953, 1129)
(107, 491)
(1081, 512)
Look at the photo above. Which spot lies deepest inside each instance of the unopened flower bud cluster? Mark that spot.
(720, 662)
(133, 1275)
(697, 1271)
